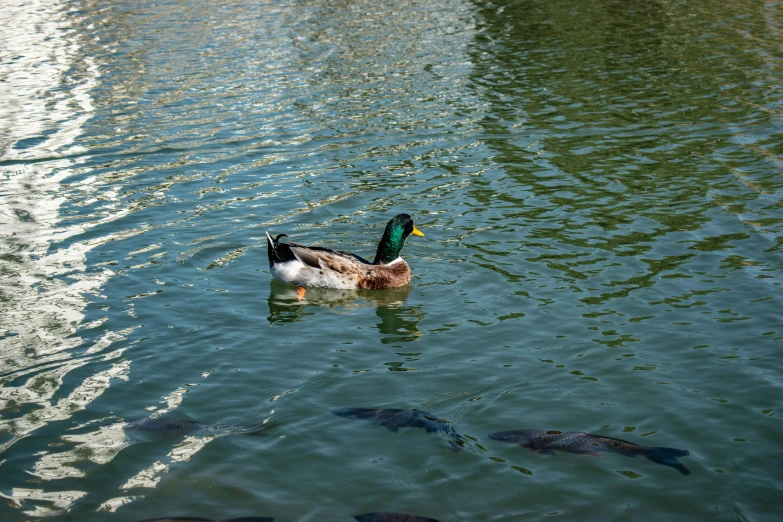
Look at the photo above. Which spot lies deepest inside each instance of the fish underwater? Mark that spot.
(199, 519)
(392, 517)
(393, 420)
(546, 442)
(171, 427)
(165, 427)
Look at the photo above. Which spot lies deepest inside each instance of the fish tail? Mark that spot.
(257, 429)
(455, 439)
(667, 457)
(455, 445)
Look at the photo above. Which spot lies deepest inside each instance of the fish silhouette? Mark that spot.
(546, 442)
(392, 517)
(171, 427)
(394, 419)
(165, 427)
(199, 519)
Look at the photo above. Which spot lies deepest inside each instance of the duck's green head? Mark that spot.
(397, 231)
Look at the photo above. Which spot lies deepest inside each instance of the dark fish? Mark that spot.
(170, 427)
(199, 519)
(165, 427)
(394, 419)
(546, 441)
(392, 517)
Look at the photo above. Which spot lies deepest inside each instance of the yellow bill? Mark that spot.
(417, 232)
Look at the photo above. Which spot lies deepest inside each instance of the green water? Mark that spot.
(600, 188)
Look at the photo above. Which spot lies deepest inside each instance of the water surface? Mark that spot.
(600, 188)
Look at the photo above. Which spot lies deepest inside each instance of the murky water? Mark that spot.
(600, 186)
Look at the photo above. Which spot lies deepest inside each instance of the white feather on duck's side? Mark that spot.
(298, 272)
(322, 267)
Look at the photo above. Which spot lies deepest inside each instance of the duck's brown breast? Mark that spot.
(385, 276)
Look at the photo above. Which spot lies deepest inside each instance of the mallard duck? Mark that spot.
(318, 266)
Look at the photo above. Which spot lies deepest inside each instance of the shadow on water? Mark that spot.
(398, 321)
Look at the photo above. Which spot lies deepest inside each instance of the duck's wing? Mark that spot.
(320, 257)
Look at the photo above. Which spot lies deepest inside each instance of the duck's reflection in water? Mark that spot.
(398, 322)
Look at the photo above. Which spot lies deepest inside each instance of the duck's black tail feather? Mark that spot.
(667, 457)
(278, 252)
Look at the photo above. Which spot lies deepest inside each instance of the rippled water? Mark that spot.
(600, 188)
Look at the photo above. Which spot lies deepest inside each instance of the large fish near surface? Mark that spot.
(165, 427)
(171, 427)
(199, 519)
(392, 517)
(393, 420)
(547, 441)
